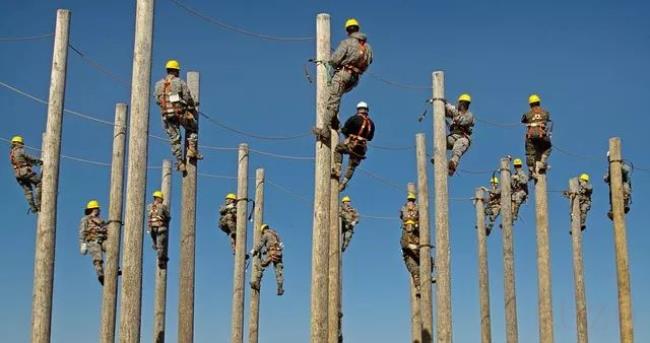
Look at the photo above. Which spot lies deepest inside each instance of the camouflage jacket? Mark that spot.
(158, 215)
(353, 52)
(536, 120)
(173, 96)
(584, 191)
(270, 243)
(92, 228)
(494, 197)
(519, 181)
(349, 214)
(22, 162)
(409, 214)
(461, 123)
(626, 172)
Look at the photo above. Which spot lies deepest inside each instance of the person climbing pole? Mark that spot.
(23, 164)
(349, 61)
(270, 249)
(178, 109)
(460, 130)
(584, 198)
(626, 174)
(358, 130)
(92, 236)
(228, 219)
(538, 136)
(519, 186)
(493, 206)
(159, 227)
(410, 240)
(349, 220)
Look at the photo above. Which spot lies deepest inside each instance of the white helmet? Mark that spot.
(362, 104)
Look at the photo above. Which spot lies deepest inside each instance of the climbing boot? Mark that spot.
(343, 184)
(280, 290)
(255, 285)
(322, 134)
(180, 166)
(100, 278)
(452, 167)
(162, 262)
(336, 171)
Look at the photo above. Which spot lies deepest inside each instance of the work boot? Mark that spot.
(610, 215)
(162, 262)
(100, 278)
(343, 184)
(255, 285)
(452, 167)
(180, 166)
(193, 153)
(280, 290)
(336, 171)
(322, 134)
(433, 279)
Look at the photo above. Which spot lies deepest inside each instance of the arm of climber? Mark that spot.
(339, 54)
(450, 110)
(371, 134)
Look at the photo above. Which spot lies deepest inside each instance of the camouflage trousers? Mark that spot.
(172, 125)
(412, 262)
(585, 206)
(96, 249)
(159, 236)
(348, 231)
(31, 185)
(258, 272)
(342, 82)
(518, 198)
(356, 152)
(229, 227)
(492, 213)
(537, 150)
(458, 144)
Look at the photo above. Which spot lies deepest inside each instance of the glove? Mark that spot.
(412, 246)
(281, 245)
(83, 249)
(354, 223)
(39, 162)
(252, 252)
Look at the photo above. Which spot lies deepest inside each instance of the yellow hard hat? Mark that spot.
(584, 177)
(517, 162)
(411, 196)
(264, 226)
(494, 180)
(533, 98)
(346, 199)
(351, 22)
(173, 64)
(465, 97)
(158, 194)
(92, 204)
(231, 196)
(17, 139)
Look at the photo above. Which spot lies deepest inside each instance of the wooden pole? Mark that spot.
(188, 236)
(46, 226)
(334, 277)
(109, 295)
(483, 274)
(320, 236)
(131, 298)
(510, 296)
(237, 332)
(443, 280)
(416, 314)
(426, 302)
(258, 219)
(578, 267)
(620, 241)
(160, 298)
(543, 262)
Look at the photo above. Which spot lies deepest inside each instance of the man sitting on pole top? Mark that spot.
(351, 59)
(358, 131)
(538, 136)
(178, 109)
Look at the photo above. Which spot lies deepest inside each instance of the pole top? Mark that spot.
(438, 73)
(243, 146)
(323, 16)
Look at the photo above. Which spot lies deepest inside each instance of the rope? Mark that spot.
(215, 176)
(100, 67)
(377, 217)
(288, 191)
(569, 153)
(233, 28)
(249, 134)
(25, 38)
(391, 148)
(469, 171)
(497, 124)
(394, 83)
(286, 157)
(381, 179)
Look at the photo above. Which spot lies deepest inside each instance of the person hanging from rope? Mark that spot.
(159, 227)
(410, 240)
(358, 131)
(538, 136)
(22, 164)
(584, 198)
(626, 174)
(93, 232)
(270, 247)
(349, 220)
(228, 218)
(178, 109)
(349, 61)
(519, 186)
(493, 206)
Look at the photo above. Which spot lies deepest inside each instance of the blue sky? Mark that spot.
(587, 60)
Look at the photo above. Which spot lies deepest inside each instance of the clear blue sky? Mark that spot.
(587, 60)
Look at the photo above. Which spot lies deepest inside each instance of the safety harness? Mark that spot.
(95, 230)
(359, 66)
(536, 129)
(20, 165)
(274, 251)
(155, 218)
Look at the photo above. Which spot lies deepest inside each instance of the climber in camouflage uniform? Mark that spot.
(519, 187)
(349, 219)
(30, 181)
(410, 240)
(92, 237)
(270, 250)
(538, 136)
(493, 206)
(159, 218)
(228, 218)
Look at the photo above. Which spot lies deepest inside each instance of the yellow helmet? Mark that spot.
(92, 204)
(346, 199)
(264, 226)
(173, 64)
(351, 22)
(231, 196)
(158, 194)
(517, 162)
(411, 196)
(465, 97)
(584, 177)
(17, 139)
(494, 180)
(533, 98)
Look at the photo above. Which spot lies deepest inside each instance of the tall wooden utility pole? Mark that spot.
(46, 229)
(510, 295)
(543, 261)
(237, 329)
(131, 298)
(258, 220)
(416, 314)
(578, 267)
(620, 241)
(109, 295)
(426, 302)
(443, 280)
(483, 275)
(160, 299)
(320, 236)
(188, 236)
(334, 277)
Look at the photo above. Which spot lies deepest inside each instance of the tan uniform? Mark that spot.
(228, 221)
(493, 207)
(460, 132)
(158, 221)
(93, 233)
(519, 187)
(270, 249)
(538, 136)
(29, 181)
(410, 240)
(349, 219)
